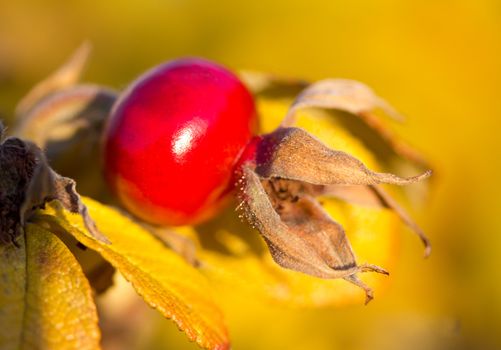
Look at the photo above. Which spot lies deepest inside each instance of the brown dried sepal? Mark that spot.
(278, 192)
(372, 196)
(375, 196)
(294, 154)
(67, 126)
(350, 96)
(300, 234)
(67, 118)
(27, 182)
(359, 100)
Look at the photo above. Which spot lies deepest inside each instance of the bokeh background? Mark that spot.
(439, 62)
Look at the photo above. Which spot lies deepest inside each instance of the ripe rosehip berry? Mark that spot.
(173, 139)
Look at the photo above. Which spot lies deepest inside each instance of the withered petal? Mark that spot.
(292, 153)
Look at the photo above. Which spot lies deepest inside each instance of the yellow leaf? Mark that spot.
(161, 277)
(45, 299)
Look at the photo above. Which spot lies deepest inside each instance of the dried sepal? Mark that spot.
(66, 75)
(373, 196)
(67, 117)
(28, 182)
(67, 125)
(390, 203)
(66, 120)
(347, 95)
(360, 100)
(279, 184)
(294, 154)
(300, 234)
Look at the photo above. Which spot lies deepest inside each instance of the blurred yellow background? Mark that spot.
(438, 62)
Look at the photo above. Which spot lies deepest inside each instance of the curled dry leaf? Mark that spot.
(163, 278)
(45, 299)
(28, 182)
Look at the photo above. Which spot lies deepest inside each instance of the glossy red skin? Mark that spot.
(174, 138)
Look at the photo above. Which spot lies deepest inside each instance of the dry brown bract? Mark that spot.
(27, 182)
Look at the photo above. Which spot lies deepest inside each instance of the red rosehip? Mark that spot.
(173, 139)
